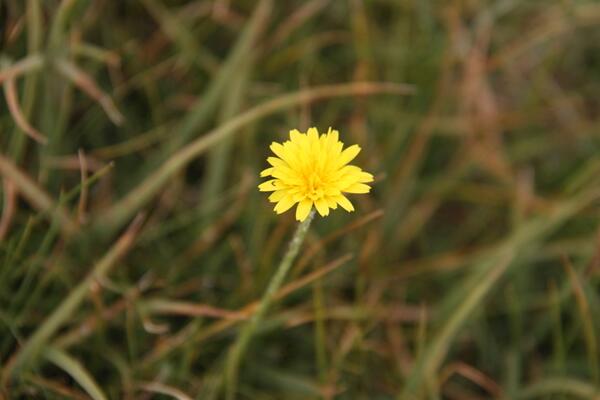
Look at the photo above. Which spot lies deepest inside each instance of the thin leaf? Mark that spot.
(74, 368)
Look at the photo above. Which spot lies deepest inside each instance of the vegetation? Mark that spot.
(135, 244)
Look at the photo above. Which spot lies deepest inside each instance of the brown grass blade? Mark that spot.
(36, 195)
(10, 91)
(27, 64)
(84, 82)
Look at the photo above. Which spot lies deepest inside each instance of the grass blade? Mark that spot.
(76, 371)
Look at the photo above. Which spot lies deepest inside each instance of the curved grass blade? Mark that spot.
(74, 368)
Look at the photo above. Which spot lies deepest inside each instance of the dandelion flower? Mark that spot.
(312, 170)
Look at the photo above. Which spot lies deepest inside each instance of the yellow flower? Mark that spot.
(312, 170)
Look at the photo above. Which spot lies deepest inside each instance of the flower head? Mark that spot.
(312, 170)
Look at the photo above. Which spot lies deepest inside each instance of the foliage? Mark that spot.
(134, 243)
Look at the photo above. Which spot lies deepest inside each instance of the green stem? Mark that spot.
(236, 353)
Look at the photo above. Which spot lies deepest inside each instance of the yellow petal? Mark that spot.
(303, 210)
(284, 204)
(276, 162)
(322, 207)
(347, 171)
(295, 136)
(266, 172)
(365, 177)
(286, 176)
(358, 188)
(277, 149)
(335, 134)
(348, 155)
(332, 192)
(344, 202)
(331, 203)
(267, 186)
(291, 152)
(277, 196)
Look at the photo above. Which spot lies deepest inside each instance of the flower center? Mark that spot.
(314, 189)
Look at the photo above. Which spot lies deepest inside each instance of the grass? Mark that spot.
(134, 245)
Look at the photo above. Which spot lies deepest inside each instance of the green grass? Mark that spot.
(134, 244)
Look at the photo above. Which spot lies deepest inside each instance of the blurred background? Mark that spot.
(134, 242)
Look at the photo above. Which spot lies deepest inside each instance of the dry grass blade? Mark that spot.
(161, 388)
(313, 276)
(145, 191)
(28, 64)
(73, 162)
(474, 375)
(84, 82)
(10, 91)
(190, 309)
(36, 195)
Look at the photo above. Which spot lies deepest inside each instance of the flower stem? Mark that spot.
(238, 349)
